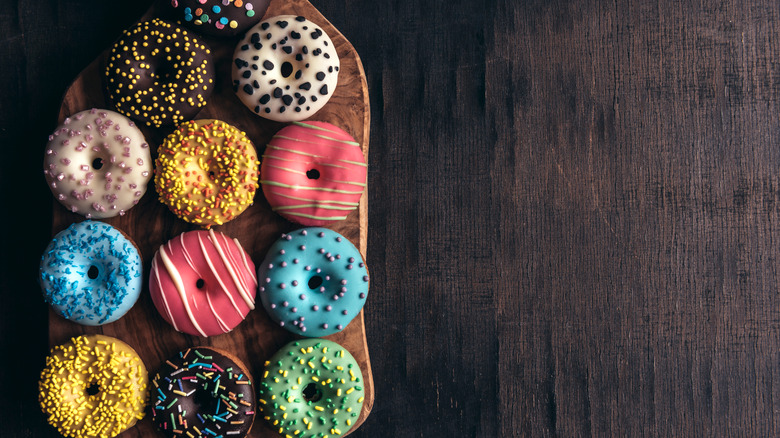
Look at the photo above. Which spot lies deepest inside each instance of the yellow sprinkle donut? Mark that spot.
(206, 172)
(93, 386)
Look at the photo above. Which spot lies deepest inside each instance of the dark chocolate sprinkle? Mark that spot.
(283, 41)
(281, 24)
(258, 46)
(316, 34)
(297, 95)
(307, 65)
(305, 86)
(268, 65)
(314, 98)
(245, 47)
(337, 69)
(316, 52)
(295, 35)
(246, 74)
(287, 87)
(324, 90)
(299, 57)
(248, 89)
(255, 58)
(330, 69)
(268, 36)
(308, 108)
(264, 100)
(287, 99)
(282, 108)
(325, 43)
(304, 50)
(255, 38)
(287, 49)
(254, 66)
(320, 75)
(326, 56)
(298, 74)
(262, 72)
(241, 63)
(272, 81)
(278, 92)
(257, 109)
(265, 26)
(273, 46)
(302, 100)
(267, 110)
(255, 84)
(299, 18)
(297, 109)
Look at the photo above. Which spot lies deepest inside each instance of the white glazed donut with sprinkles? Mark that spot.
(97, 163)
(285, 69)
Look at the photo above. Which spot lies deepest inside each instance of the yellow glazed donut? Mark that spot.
(206, 172)
(93, 386)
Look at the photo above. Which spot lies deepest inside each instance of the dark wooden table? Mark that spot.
(574, 211)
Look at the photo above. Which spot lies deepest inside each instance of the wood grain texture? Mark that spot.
(150, 223)
(575, 208)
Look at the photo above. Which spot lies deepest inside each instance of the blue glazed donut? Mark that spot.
(90, 273)
(313, 281)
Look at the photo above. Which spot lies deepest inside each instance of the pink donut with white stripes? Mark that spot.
(203, 283)
(313, 173)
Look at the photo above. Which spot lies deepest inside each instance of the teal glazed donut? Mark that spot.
(91, 273)
(313, 281)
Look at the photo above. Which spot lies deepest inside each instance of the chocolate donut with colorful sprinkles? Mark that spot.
(203, 392)
(221, 18)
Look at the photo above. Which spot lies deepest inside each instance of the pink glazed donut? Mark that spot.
(203, 283)
(313, 173)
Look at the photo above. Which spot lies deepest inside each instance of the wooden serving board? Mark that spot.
(150, 223)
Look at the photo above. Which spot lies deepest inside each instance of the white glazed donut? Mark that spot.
(97, 163)
(285, 69)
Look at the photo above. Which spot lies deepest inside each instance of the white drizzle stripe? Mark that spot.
(322, 207)
(234, 263)
(266, 158)
(319, 189)
(249, 269)
(174, 273)
(166, 307)
(319, 201)
(216, 274)
(293, 151)
(350, 146)
(224, 327)
(242, 290)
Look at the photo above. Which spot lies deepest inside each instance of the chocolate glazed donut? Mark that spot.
(159, 73)
(203, 392)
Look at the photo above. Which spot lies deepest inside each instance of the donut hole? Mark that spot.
(205, 400)
(200, 283)
(165, 72)
(93, 272)
(313, 174)
(287, 69)
(211, 174)
(93, 389)
(312, 393)
(315, 282)
(97, 163)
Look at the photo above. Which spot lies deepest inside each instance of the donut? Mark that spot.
(203, 392)
(159, 73)
(93, 386)
(206, 172)
(91, 273)
(313, 173)
(313, 282)
(285, 69)
(97, 163)
(311, 388)
(203, 283)
(219, 17)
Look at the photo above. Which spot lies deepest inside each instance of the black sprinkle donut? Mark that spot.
(285, 69)
(219, 17)
(159, 73)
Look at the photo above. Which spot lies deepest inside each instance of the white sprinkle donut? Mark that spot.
(285, 69)
(97, 163)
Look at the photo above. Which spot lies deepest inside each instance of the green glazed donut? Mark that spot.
(312, 388)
